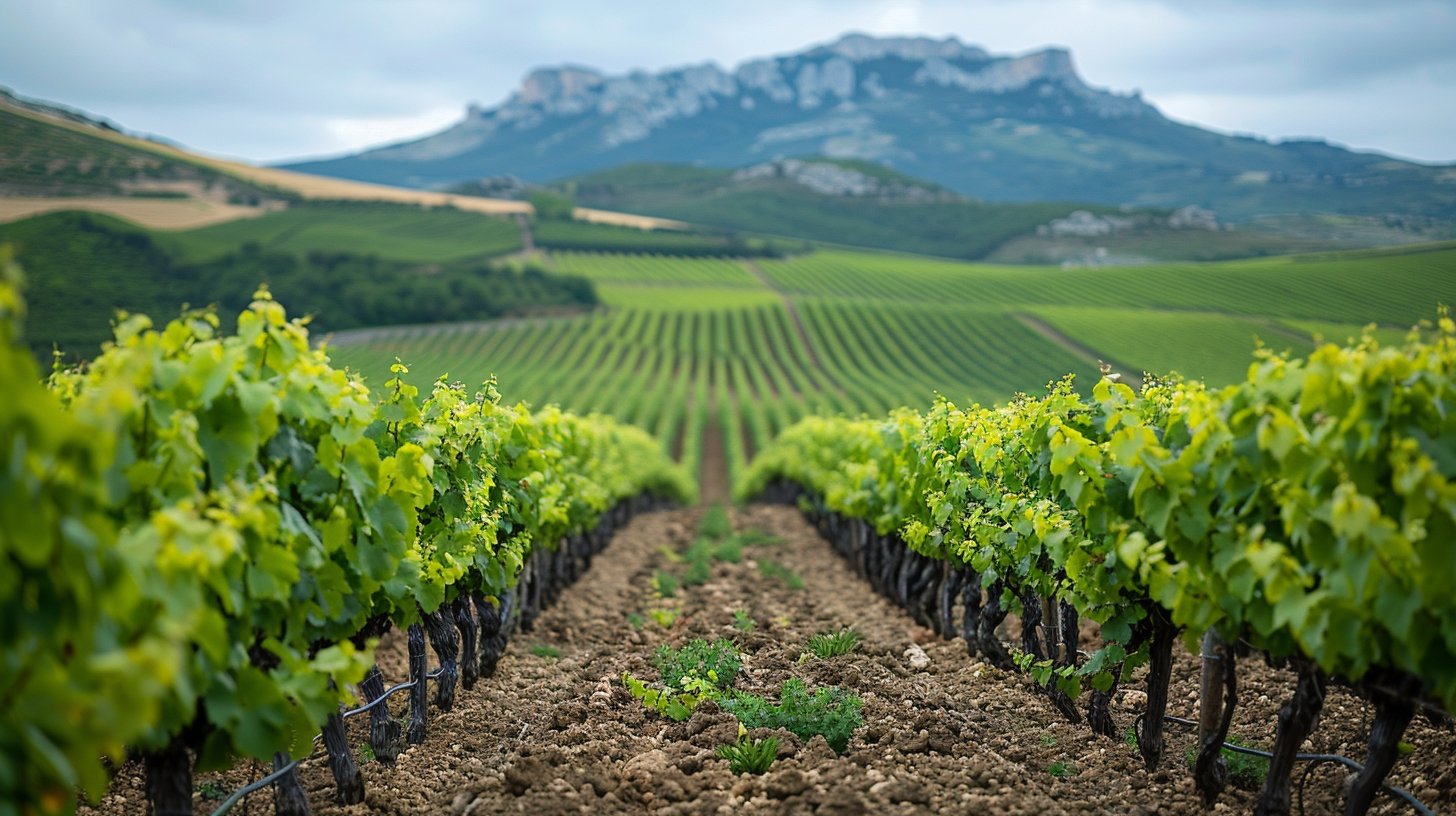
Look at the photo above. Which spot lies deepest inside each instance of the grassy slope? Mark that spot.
(81, 269)
(43, 157)
(78, 138)
(999, 232)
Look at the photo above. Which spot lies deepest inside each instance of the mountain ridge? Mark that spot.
(1022, 127)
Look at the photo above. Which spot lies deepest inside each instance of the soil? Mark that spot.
(713, 481)
(943, 733)
(153, 213)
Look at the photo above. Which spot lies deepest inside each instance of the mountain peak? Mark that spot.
(852, 98)
(860, 47)
(560, 82)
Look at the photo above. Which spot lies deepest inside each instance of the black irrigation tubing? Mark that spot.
(1315, 761)
(254, 787)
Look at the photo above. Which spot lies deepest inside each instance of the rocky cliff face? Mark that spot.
(831, 179)
(992, 127)
(832, 80)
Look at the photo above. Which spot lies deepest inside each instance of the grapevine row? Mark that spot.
(1302, 513)
(203, 534)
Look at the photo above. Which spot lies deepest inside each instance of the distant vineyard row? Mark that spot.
(689, 344)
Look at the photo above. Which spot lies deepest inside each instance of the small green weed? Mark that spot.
(367, 752)
(1060, 770)
(1048, 739)
(1246, 771)
(676, 704)
(665, 584)
(699, 658)
(703, 553)
(826, 711)
(742, 622)
(211, 791)
(545, 650)
(636, 621)
(663, 617)
(715, 524)
(750, 756)
(698, 572)
(698, 671)
(826, 645)
(780, 573)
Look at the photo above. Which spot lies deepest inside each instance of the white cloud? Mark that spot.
(275, 78)
(347, 133)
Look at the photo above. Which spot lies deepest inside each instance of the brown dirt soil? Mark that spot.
(713, 479)
(560, 735)
(152, 213)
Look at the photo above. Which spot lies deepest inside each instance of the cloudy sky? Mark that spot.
(267, 80)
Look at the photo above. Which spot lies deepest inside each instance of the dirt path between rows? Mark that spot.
(528, 238)
(943, 732)
(713, 483)
(1087, 353)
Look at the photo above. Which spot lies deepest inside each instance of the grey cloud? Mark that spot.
(265, 79)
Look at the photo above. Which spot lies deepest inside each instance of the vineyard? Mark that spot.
(740, 349)
(1299, 514)
(206, 534)
(243, 565)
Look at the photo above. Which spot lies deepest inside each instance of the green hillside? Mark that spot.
(906, 214)
(349, 265)
(716, 356)
(39, 157)
(937, 224)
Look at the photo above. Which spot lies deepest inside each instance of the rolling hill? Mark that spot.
(53, 159)
(857, 203)
(351, 264)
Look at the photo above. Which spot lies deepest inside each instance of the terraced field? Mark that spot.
(715, 356)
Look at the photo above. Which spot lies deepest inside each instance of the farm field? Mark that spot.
(837, 583)
(719, 355)
(642, 452)
(152, 213)
(554, 731)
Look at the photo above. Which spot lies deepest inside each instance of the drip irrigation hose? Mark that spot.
(1315, 760)
(253, 787)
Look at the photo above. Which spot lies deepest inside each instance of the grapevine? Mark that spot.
(1302, 512)
(206, 532)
